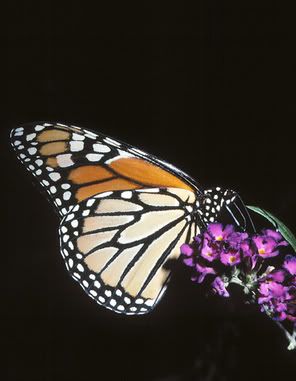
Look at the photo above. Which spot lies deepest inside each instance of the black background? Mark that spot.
(209, 88)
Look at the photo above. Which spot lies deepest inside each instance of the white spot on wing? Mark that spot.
(98, 147)
(151, 190)
(65, 160)
(80, 267)
(74, 223)
(126, 194)
(67, 196)
(94, 157)
(127, 300)
(104, 194)
(64, 229)
(32, 150)
(30, 137)
(90, 202)
(76, 146)
(55, 176)
(77, 136)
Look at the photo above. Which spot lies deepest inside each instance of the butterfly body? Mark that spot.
(124, 213)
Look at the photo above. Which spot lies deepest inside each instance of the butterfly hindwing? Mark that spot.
(73, 164)
(116, 244)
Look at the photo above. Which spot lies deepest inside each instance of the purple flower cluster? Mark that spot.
(277, 291)
(221, 255)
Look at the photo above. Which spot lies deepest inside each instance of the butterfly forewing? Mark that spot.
(116, 244)
(73, 164)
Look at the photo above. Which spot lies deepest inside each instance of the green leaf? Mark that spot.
(282, 228)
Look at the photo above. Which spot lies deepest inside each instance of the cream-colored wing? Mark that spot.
(116, 244)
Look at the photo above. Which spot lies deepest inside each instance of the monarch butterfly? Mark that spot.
(124, 213)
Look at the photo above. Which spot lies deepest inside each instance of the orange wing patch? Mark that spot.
(52, 162)
(105, 186)
(52, 136)
(127, 173)
(146, 173)
(50, 149)
(89, 173)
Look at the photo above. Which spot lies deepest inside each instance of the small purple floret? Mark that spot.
(218, 233)
(209, 251)
(276, 236)
(290, 264)
(219, 287)
(203, 271)
(265, 246)
(186, 250)
(230, 258)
